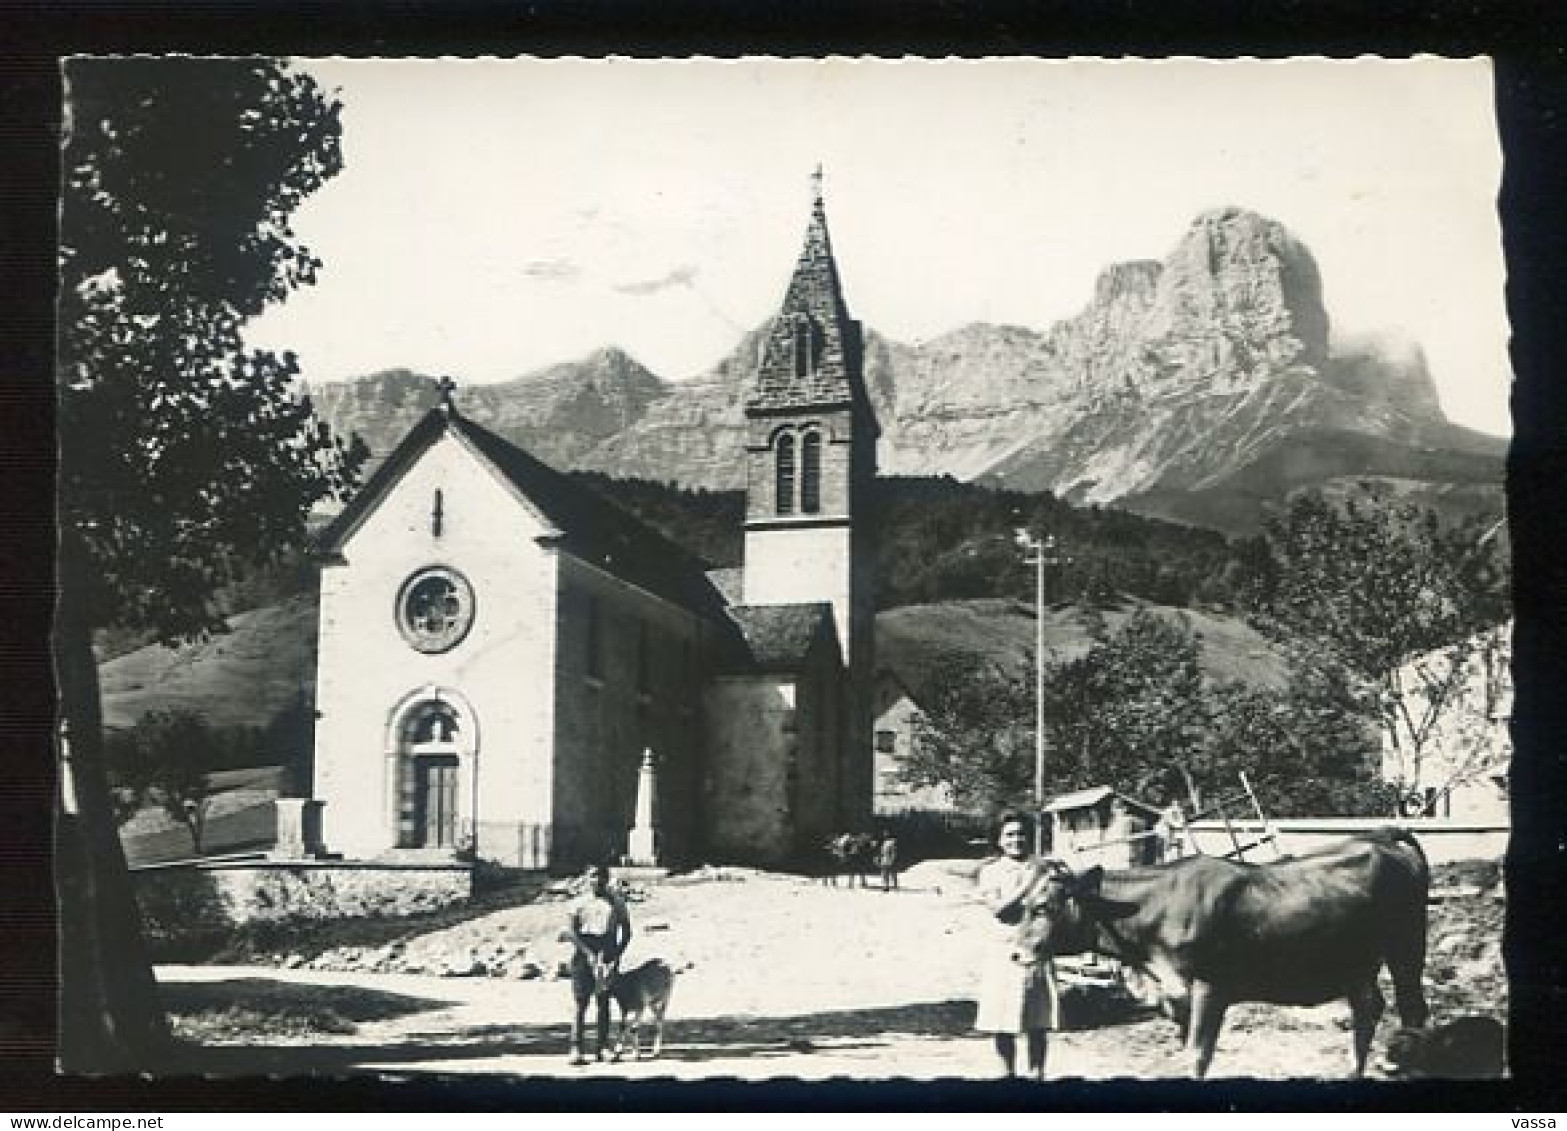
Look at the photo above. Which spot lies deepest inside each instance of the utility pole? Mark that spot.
(1038, 553)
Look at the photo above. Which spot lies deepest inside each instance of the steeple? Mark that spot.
(811, 355)
(810, 469)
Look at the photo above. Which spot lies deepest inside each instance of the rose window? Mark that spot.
(435, 609)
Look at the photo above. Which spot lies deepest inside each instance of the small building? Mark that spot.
(1101, 826)
(896, 711)
(1462, 702)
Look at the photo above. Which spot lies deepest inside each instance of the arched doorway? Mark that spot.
(431, 751)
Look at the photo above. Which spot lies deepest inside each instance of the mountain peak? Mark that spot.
(612, 355)
(1248, 279)
(1231, 214)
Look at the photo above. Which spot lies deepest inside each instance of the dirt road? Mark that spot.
(780, 977)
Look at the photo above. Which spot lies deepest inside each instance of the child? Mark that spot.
(887, 861)
(600, 929)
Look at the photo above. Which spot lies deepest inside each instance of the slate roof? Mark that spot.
(816, 294)
(588, 526)
(777, 638)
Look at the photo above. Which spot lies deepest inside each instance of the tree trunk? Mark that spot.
(111, 1020)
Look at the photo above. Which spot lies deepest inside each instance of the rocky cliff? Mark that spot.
(1178, 375)
(559, 414)
(1181, 372)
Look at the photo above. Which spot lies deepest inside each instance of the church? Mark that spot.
(513, 669)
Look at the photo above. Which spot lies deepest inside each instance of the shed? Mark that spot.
(1101, 826)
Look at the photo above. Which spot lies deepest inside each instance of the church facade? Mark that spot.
(501, 650)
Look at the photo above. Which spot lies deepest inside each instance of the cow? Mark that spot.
(853, 854)
(1206, 932)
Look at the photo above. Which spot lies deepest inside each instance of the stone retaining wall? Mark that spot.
(192, 900)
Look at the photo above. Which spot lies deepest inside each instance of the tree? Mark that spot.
(184, 453)
(1399, 600)
(164, 758)
(974, 731)
(1135, 712)
(1130, 712)
(1304, 747)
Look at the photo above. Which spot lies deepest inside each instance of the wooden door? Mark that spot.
(435, 778)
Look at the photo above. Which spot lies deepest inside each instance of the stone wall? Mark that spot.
(753, 736)
(189, 901)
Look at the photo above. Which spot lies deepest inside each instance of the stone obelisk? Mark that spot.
(642, 849)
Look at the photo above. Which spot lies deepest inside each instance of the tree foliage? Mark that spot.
(1404, 604)
(1129, 712)
(1304, 748)
(184, 453)
(164, 759)
(938, 539)
(975, 731)
(1136, 713)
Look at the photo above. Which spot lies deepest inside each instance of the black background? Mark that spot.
(1525, 39)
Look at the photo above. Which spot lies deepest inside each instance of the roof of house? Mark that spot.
(584, 523)
(1087, 798)
(777, 638)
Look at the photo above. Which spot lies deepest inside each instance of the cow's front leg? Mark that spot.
(1207, 1017)
(1366, 1006)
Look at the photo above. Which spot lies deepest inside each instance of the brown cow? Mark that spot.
(1209, 932)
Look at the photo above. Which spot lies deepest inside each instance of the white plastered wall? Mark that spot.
(502, 669)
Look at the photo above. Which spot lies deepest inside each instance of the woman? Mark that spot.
(1018, 993)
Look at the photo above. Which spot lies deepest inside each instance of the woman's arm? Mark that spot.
(1004, 898)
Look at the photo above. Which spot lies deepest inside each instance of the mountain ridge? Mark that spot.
(1179, 375)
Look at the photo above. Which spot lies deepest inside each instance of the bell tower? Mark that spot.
(811, 465)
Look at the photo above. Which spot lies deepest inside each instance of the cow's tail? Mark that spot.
(1408, 840)
(1406, 926)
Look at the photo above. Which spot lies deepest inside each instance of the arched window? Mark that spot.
(811, 473)
(802, 346)
(785, 497)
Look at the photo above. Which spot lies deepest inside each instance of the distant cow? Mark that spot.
(851, 854)
(1206, 933)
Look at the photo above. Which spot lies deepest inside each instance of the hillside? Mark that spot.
(259, 668)
(1454, 483)
(916, 641)
(244, 677)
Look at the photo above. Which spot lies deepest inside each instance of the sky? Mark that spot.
(497, 216)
